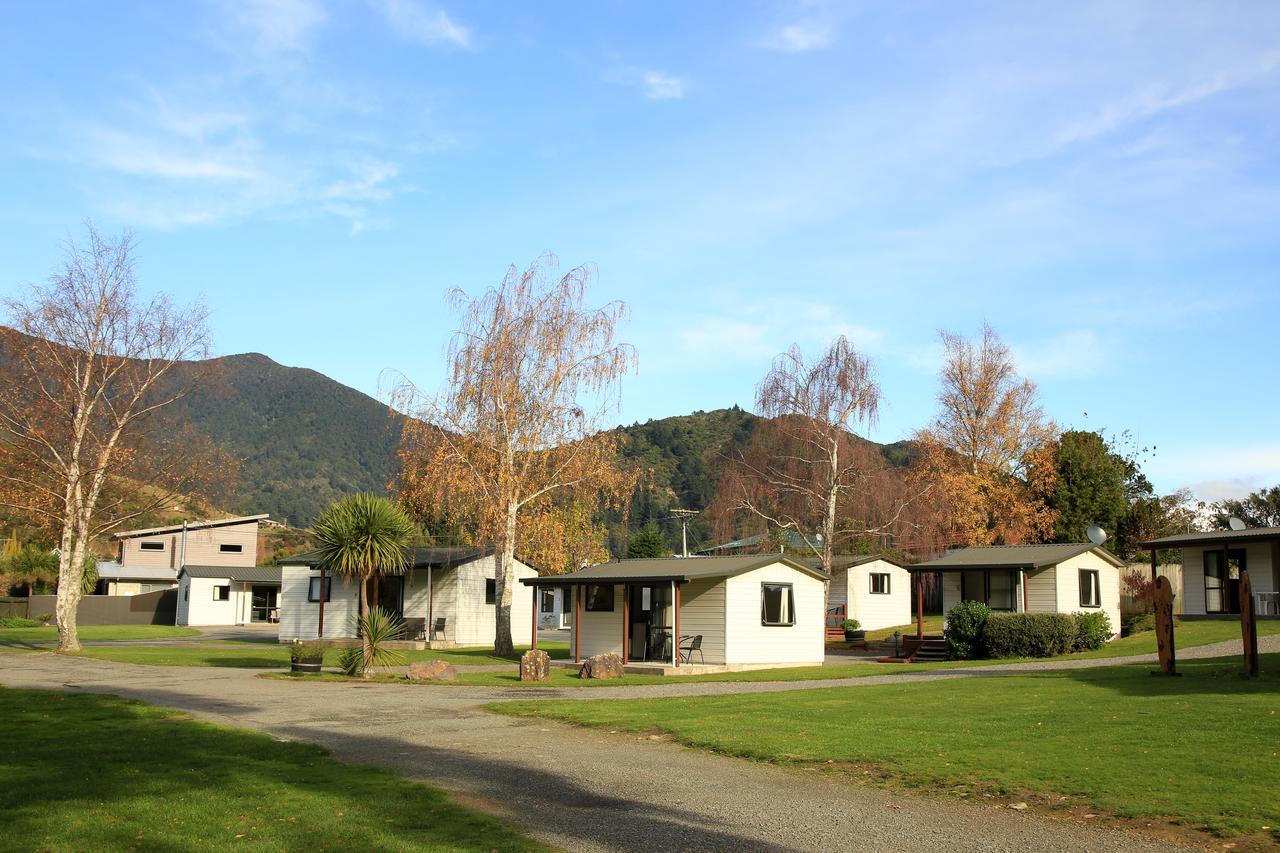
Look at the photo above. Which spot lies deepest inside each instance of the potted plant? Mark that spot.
(853, 632)
(306, 657)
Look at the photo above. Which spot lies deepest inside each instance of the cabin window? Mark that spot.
(490, 591)
(777, 604)
(1090, 588)
(222, 593)
(879, 583)
(600, 598)
(1218, 580)
(225, 548)
(548, 601)
(313, 590)
(151, 546)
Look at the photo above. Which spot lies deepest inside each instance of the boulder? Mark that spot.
(535, 665)
(432, 670)
(602, 666)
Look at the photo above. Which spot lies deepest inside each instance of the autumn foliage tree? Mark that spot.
(990, 450)
(807, 469)
(514, 439)
(82, 448)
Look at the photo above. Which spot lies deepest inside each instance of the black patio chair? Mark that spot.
(437, 630)
(695, 645)
(415, 628)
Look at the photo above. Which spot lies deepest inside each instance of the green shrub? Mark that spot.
(851, 625)
(965, 624)
(378, 629)
(1029, 635)
(1093, 630)
(19, 622)
(310, 650)
(1136, 623)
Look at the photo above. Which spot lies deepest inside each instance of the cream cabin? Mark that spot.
(661, 614)
(872, 589)
(1212, 567)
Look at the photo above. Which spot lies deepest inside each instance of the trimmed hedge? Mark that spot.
(973, 631)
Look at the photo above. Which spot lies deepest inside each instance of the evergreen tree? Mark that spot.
(648, 542)
(1091, 486)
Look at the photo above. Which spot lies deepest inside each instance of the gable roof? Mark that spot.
(191, 525)
(239, 574)
(417, 558)
(1214, 537)
(1013, 557)
(678, 569)
(849, 561)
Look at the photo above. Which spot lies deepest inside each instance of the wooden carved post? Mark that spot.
(1248, 626)
(1164, 626)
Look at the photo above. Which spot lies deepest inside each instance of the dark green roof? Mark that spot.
(1013, 557)
(1214, 537)
(239, 574)
(679, 569)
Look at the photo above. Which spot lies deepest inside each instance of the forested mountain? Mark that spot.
(302, 439)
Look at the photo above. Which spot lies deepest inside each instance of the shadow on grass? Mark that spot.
(1206, 676)
(161, 781)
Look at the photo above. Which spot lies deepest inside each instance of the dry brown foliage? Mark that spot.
(514, 439)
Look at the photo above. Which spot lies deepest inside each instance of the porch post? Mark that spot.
(675, 624)
(320, 626)
(1154, 572)
(577, 622)
(919, 605)
(536, 593)
(1022, 582)
(626, 608)
(431, 605)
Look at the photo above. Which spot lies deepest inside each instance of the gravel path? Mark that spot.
(580, 789)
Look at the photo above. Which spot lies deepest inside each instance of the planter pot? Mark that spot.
(306, 665)
(855, 636)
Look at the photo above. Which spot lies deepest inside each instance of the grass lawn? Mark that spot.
(158, 780)
(97, 632)
(270, 656)
(1203, 749)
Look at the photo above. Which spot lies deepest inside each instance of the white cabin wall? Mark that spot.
(875, 611)
(203, 610)
(1068, 584)
(299, 618)
(601, 630)
(702, 609)
(750, 642)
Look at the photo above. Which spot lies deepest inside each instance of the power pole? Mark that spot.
(684, 515)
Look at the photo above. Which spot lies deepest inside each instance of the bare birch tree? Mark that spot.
(83, 383)
(807, 469)
(531, 373)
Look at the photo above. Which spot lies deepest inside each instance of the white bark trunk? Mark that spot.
(503, 584)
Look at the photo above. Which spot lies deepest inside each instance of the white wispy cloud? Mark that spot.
(662, 87)
(765, 328)
(424, 24)
(801, 36)
(1072, 354)
(276, 25)
(1214, 472)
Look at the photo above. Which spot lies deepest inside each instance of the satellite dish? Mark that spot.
(1235, 523)
(1096, 534)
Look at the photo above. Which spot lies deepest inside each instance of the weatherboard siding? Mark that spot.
(203, 548)
(702, 608)
(1068, 584)
(299, 618)
(601, 630)
(1261, 559)
(750, 642)
(1042, 590)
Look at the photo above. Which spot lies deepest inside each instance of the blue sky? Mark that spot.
(1098, 181)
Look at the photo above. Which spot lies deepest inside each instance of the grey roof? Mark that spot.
(789, 537)
(849, 561)
(113, 571)
(191, 525)
(418, 558)
(1214, 537)
(1013, 557)
(679, 569)
(239, 574)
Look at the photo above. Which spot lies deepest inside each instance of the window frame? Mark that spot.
(598, 589)
(1094, 587)
(151, 545)
(871, 583)
(545, 595)
(230, 548)
(790, 602)
(313, 588)
(491, 591)
(222, 592)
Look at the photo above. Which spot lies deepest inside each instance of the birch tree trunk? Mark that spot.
(504, 586)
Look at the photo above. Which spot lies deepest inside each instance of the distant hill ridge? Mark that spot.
(305, 440)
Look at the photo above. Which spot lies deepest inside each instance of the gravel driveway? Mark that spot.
(579, 789)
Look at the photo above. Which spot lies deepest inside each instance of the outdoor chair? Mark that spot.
(437, 630)
(695, 645)
(415, 628)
